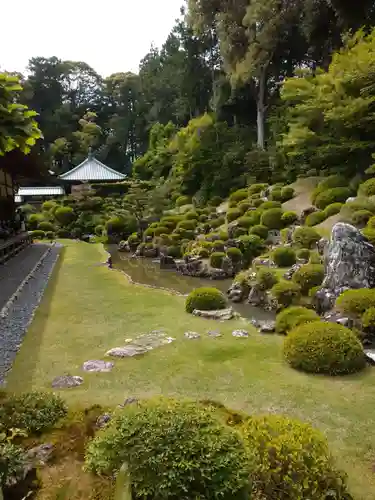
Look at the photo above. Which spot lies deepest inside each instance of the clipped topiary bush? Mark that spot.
(289, 318)
(368, 319)
(315, 218)
(251, 246)
(305, 237)
(272, 218)
(205, 299)
(63, 233)
(216, 259)
(333, 181)
(284, 256)
(259, 230)
(239, 195)
(276, 195)
(334, 195)
(174, 251)
(322, 347)
(48, 205)
(203, 253)
(308, 276)
(303, 254)
(356, 302)
(289, 218)
(34, 220)
(368, 187)
(189, 225)
(234, 254)
(50, 235)
(361, 217)
(233, 214)
(333, 209)
(287, 193)
(183, 200)
(215, 201)
(239, 231)
(292, 461)
(265, 278)
(286, 293)
(64, 215)
(267, 205)
(32, 411)
(161, 230)
(369, 233)
(245, 222)
(38, 234)
(174, 450)
(191, 215)
(244, 206)
(257, 188)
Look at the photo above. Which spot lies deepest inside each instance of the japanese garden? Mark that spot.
(187, 263)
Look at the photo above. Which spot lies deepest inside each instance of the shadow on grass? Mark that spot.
(33, 344)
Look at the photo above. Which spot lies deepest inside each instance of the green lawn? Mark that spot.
(88, 309)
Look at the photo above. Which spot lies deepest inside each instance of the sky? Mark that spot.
(109, 35)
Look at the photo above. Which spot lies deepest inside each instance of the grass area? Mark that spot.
(88, 309)
(302, 199)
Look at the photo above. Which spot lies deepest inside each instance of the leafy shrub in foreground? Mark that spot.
(215, 201)
(205, 299)
(321, 347)
(257, 188)
(34, 220)
(191, 215)
(38, 234)
(334, 195)
(218, 245)
(272, 218)
(289, 318)
(369, 233)
(315, 218)
(284, 256)
(355, 302)
(174, 450)
(305, 237)
(13, 461)
(292, 461)
(32, 411)
(286, 293)
(308, 276)
(265, 279)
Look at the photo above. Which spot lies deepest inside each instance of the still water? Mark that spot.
(145, 271)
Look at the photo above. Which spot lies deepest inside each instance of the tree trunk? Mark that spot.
(261, 109)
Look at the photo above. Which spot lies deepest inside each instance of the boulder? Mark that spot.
(257, 297)
(349, 264)
(290, 272)
(306, 212)
(267, 326)
(40, 455)
(123, 246)
(97, 366)
(167, 262)
(217, 274)
(192, 335)
(66, 381)
(322, 246)
(261, 261)
(128, 351)
(221, 314)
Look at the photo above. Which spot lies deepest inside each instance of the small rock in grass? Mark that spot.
(267, 326)
(128, 401)
(213, 333)
(66, 381)
(40, 455)
(240, 333)
(97, 366)
(192, 335)
(103, 420)
(128, 351)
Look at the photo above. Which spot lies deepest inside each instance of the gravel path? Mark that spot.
(13, 272)
(14, 326)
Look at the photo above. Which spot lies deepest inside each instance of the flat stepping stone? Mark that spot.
(128, 351)
(192, 335)
(213, 334)
(66, 381)
(221, 314)
(267, 326)
(370, 356)
(240, 333)
(97, 365)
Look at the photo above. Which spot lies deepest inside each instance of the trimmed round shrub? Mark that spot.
(334, 195)
(239, 195)
(46, 226)
(303, 254)
(115, 225)
(333, 181)
(150, 231)
(257, 188)
(284, 256)
(255, 216)
(244, 206)
(34, 220)
(286, 293)
(239, 231)
(265, 278)
(291, 317)
(234, 254)
(218, 245)
(368, 318)
(27, 209)
(361, 217)
(216, 259)
(368, 187)
(267, 205)
(65, 215)
(48, 205)
(32, 411)
(215, 201)
(203, 218)
(187, 224)
(174, 251)
(259, 230)
(322, 347)
(333, 209)
(50, 235)
(203, 253)
(63, 233)
(215, 223)
(291, 459)
(205, 299)
(276, 195)
(305, 237)
(256, 202)
(315, 218)
(245, 222)
(192, 215)
(356, 302)
(369, 234)
(161, 230)
(171, 220)
(251, 246)
(183, 200)
(308, 276)
(289, 218)
(272, 218)
(38, 234)
(233, 214)
(287, 193)
(174, 449)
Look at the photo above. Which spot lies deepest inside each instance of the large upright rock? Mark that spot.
(349, 264)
